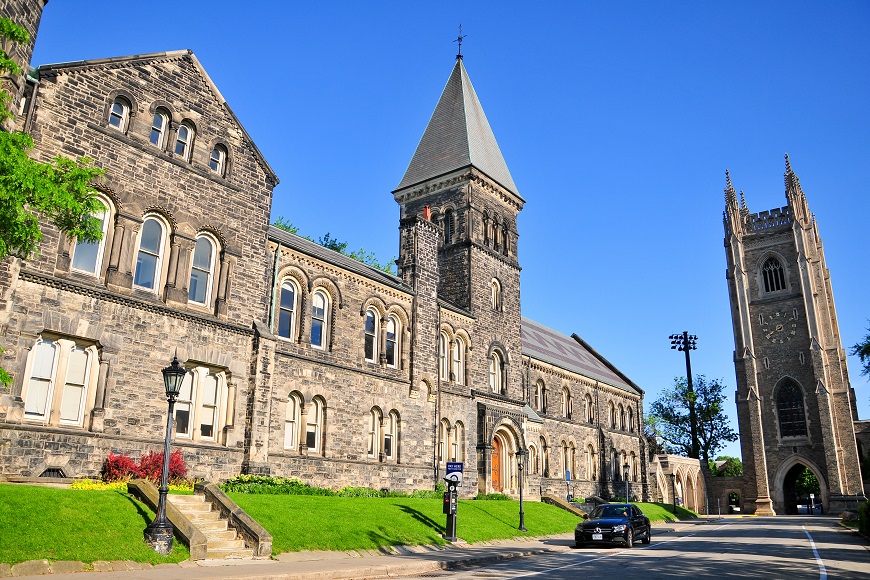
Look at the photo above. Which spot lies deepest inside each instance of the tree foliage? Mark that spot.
(331, 243)
(806, 483)
(733, 467)
(669, 417)
(862, 351)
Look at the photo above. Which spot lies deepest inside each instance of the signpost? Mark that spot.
(812, 504)
(568, 483)
(453, 479)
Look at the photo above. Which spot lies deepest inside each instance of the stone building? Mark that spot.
(301, 361)
(795, 405)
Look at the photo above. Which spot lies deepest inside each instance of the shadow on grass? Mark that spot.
(488, 514)
(146, 515)
(423, 518)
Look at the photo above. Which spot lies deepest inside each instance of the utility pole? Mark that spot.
(685, 342)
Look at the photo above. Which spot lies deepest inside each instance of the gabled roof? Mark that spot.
(172, 55)
(458, 135)
(571, 354)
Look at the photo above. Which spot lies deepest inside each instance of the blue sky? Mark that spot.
(616, 119)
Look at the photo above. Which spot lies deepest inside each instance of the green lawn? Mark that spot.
(63, 524)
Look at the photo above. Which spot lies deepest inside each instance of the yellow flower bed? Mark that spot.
(91, 485)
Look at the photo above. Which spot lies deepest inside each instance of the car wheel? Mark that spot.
(629, 539)
(648, 537)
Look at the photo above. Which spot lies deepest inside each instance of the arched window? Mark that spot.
(319, 319)
(773, 274)
(614, 466)
(314, 426)
(495, 373)
(202, 270)
(119, 114)
(443, 441)
(589, 411)
(495, 294)
(87, 257)
(217, 161)
(591, 468)
(158, 128)
(291, 422)
(790, 409)
(572, 460)
(374, 432)
(539, 394)
(449, 223)
(391, 438)
(442, 356)
(630, 420)
(457, 449)
(612, 409)
(459, 360)
(633, 467)
(621, 416)
(149, 259)
(563, 448)
(496, 233)
(545, 458)
(533, 467)
(392, 342)
(566, 402)
(505, 245)
(287, 309)
(371, 335)
(184, 141)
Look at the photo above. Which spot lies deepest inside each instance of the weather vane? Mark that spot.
(459, 41)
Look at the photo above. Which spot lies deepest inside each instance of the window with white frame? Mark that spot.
(202, 270)
(87, 256)
(199, 408)
(588, 409)
(443, 441)
(371, 335)
(458, 442)
(217, 161)
(292, 417)
(60, 381)
(287, 309)
(119, 114)
(314, 426)
(495, 372)
(159, 125)
(391, 342)
(442, 356)
(391, 435)
(495, 294)
(149, 258)
(591, 468)
(319, 320)
(459, 360)
(374, 432)
(566, 402)
(184, 141)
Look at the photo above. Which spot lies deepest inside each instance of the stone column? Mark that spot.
(119, 274)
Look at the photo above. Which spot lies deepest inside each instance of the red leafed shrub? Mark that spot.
(119, 468)
(151, 466)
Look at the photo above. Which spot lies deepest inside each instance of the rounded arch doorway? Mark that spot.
(503, 466)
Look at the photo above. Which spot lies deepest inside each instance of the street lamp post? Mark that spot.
(686, 342)
(521, 464)
(625, 469)
(159, 533)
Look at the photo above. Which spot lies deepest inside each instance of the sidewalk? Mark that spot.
(404, 561)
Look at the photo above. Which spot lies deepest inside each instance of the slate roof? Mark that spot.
(572, 354)
(315, 250)
(458, 135)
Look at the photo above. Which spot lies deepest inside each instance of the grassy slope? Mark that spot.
(62, 524)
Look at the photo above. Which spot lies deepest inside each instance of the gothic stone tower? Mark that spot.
(795, 405)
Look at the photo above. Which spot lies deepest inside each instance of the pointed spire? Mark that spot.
(457, 136)
(743, 207)
(795, 195)
(792, 183)
(730, 194)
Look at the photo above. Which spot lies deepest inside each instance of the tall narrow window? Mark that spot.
(183, 141)
(442, 357)
(158, 128)
(87, 256)
(591, 471)
(391, 430)
(371, 336)
(319, 321)
(217, 161)
(374, 432)
(566, 402)
(459, 442)
(495, 373)
(75, 384)
(587, 406)
(449, 223)
(572, 459)
(392, 342)
(119, 114)
(459, 360)
(184, 405)
(774, 275)
(612, 409)
(287, 310)
(790, 408)
(536, 396)
(39, 387)
(208, 413)
(314, 428)
(444, 441)
(201, 271)
(149, 257)
(533, 467)
(495, 294)
(545, 458)
(291, 423)
(630, 420)
(621, 416)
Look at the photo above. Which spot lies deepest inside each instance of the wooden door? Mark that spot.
(496, 466)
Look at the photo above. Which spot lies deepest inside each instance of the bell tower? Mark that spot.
(795, 404)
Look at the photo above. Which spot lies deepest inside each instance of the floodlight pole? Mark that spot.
(686, 342)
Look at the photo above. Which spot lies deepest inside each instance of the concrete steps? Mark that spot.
(223, 541)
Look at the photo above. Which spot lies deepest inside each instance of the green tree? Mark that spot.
(862, 351)
(733, 467)
(806, 483)
(669, 416)
(58, 191)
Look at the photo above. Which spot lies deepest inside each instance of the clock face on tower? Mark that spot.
(779, 327)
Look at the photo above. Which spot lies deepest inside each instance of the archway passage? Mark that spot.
(798, 484)
(497, 484)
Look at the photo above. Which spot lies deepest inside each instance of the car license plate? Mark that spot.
(597, 536)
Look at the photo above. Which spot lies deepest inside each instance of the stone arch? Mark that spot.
(783, 483)
(759, 272)
(505, 439)
(375, 302)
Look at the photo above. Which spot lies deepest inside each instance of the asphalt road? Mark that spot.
(793, 548)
